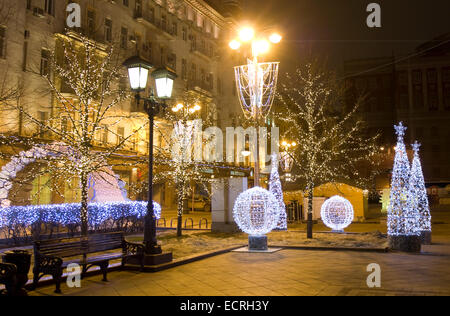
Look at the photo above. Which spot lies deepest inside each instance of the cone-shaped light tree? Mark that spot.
(276, 189)
(402, 223)
(419, 199)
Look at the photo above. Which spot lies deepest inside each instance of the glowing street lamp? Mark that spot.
(138, 71)
(275, 38)
(246, 34)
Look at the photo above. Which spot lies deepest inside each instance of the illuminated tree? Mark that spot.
(276, 189)
(83, 77)
(418, 193)
(331, 139)
(403, 217)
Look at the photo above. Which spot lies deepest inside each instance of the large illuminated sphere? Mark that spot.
(256, 212)
(337, 213)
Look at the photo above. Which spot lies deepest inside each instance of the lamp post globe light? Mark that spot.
(138, 72)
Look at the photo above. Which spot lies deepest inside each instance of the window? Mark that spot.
(124, 38)
(138, 8)
(433, 98)
(2, 42)
(184, 33)
(45, 62)
(417, 88)
(103, 135)
(126, 3)
(193, 73)
(183, 69)
(164, 22)
(91, 22)
(446, 87)
(108, 30)
(175, 28)
(50, 7)
(152, 15)
(162, 56)
(172, 61)
(203, 76)
(403, 91)
(120, 135)
(43, 118)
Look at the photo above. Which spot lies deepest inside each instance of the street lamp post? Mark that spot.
(256, 82)
(138, 71)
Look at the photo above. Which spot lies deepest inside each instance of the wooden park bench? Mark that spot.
(53, 256)
(8, 277)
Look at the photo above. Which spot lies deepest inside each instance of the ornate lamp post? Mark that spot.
(138, 71)
(256, 82)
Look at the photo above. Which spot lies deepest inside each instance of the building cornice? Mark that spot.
(210, 12)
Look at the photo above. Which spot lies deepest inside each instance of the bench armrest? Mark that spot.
(132, 248)
(43, 262)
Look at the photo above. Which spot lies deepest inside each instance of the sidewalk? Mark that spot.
(287, 272)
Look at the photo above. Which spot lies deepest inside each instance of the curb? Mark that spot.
(376, 250)
(186, 260)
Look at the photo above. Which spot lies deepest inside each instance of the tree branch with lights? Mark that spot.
(331, 140)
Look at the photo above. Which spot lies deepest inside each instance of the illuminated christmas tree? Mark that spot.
(419, 199)
(277, 191)
(402, 221)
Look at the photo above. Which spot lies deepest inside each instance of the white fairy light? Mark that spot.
(256, 211)
(402, 218)
(276, 189)
(69, 214)
(337, 213)
(418, 193)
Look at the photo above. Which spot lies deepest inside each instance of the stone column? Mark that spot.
(225, 193)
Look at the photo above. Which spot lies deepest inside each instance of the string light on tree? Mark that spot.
(69, 214)
(276, 189)
(402, 221)
(337, 213)
(419, 198)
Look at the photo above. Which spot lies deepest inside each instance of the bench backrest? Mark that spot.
(61, 248)
(104, 242)
(71, 247)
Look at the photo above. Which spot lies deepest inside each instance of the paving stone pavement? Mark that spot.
(288, 272)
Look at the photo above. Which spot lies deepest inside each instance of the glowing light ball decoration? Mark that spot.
(256, 212)
(337, 213)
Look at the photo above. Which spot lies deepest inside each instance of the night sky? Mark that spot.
(337, 30)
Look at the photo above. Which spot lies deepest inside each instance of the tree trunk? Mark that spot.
(84, 205)
(180, 212)
(310, 212)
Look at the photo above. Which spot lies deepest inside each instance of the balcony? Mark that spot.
(157, 24)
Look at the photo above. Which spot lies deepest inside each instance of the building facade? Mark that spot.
(188, 36)
(414, 89)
